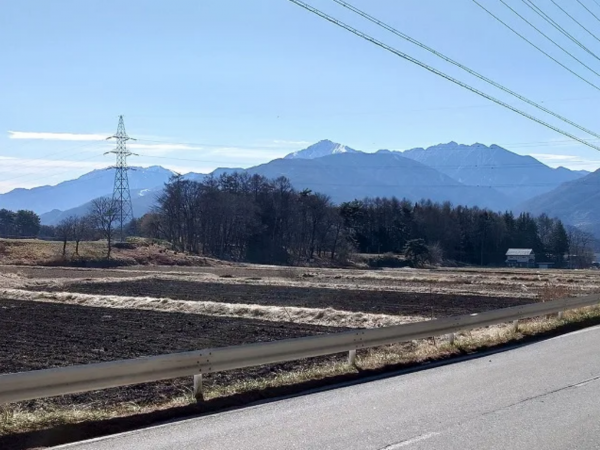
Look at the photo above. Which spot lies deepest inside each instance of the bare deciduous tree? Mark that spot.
(82, 229)
(581, 254)
(103, 215)
(65, 230)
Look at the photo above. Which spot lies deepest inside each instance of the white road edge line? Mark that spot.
(423, 437)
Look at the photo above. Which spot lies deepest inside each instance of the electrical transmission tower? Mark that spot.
(121, 195)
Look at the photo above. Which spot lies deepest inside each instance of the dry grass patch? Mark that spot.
(310, 316)
(31, 252)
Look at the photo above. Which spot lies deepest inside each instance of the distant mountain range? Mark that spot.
(73, 193)
(519, 177)
(142, 201)
(350, 175)
(575, 202)
(490, 177)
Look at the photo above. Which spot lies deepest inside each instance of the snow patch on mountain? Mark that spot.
(320, 149)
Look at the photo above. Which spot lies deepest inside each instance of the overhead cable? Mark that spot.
(589, 10)
(545, 35)
(538, 48)
(574, 20)
(463, 67)
(536, 9)
(437, 72)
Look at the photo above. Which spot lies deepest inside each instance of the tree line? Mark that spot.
(19, 224)
(244, 217)
(250, 218)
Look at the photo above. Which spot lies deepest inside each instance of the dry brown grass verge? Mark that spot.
(92, 254)
(49, 426)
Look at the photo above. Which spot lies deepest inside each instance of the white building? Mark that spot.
(520, 257)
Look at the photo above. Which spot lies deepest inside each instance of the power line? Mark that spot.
(461, 66)
(537, 47)
(575, 20)
(589, 10)
(536, 9)
(438, 72)
(547, 37)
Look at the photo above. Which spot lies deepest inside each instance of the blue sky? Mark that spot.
(214, 83)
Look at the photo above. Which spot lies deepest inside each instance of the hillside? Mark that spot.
(142, 201)
(519, 177)
(575, 202)
(75, 193)
(351, 175)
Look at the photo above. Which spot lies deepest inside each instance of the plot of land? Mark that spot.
(368, 301)
(36, 335)
(56, 331)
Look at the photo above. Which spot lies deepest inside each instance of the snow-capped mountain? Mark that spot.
(356, 175)
(520, 177)
(320, 149)
(491, 177)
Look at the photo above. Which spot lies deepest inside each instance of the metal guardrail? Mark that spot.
(90, 377)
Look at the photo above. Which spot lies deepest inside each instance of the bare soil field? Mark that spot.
(60, 316)
(63, 329)
(36, 335)
(400, 292)
(484, 282)
(367, 301)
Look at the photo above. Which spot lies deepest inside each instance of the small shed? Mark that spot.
(520, 257)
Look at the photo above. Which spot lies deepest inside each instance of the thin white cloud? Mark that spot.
(187, 169)
(56, 136)
(225, 154)
(554, 157)
(249, 154)
(161, 149)
(284, 142)
(573, 162)
(6, 186)
(27, 173)
(14, 165)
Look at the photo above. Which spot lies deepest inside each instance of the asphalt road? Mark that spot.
(542, 396)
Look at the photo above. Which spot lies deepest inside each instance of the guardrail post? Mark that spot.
(198, 387)
(515, 326)
(352, 357)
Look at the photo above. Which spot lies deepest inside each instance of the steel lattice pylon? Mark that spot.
(121, 194)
